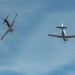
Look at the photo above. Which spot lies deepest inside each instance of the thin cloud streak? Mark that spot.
(41, 67)
(35, 53)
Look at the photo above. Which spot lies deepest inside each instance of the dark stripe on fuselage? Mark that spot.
(63, 35)
(9, 26)
(7, 23)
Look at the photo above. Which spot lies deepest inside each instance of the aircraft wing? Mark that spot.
(4, 34)
(73, 36)
(14, 20)
(55, 35)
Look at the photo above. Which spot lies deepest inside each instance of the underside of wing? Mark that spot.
(55, 35)
(14, 20)
(73, 36)
(4, 34)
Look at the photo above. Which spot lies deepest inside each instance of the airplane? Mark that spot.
(63, 33)
(9, 26)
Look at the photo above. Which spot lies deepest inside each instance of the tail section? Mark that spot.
(5, 19)
(61, 27)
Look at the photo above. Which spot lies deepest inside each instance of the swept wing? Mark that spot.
(14, 20)
(73, 36)
(4, 34)
(55, 35)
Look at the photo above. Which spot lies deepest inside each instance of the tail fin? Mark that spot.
(5, 19)
(61, 27)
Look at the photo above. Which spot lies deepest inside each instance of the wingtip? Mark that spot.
(48, 34)
(16, 14)
(0, 39)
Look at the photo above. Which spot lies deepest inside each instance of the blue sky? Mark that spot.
(29, 50)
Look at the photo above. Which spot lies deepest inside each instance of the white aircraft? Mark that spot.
(63, 33)
(9, 26)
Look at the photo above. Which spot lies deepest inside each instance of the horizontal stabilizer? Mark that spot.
(5, 19)
(61, 27)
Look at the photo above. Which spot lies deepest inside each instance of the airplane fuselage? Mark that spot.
(8, 26)
(63, 33)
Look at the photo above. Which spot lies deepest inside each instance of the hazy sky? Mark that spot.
(29, 50)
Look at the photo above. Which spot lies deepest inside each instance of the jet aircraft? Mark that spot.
(9, 26)
(63, 33)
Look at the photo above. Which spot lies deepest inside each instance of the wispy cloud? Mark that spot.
(23, 6)
(71, 73)
(56, 56)
(34, 54)
(8, 68)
